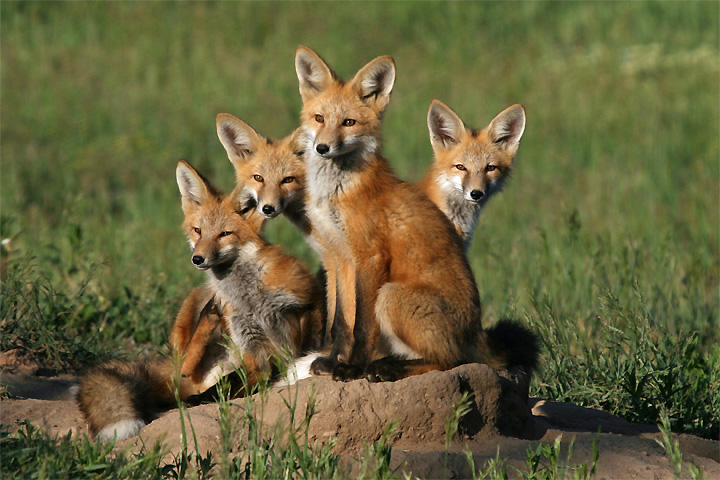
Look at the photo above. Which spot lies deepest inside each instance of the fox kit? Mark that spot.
(398, 281)
(470, 166)
(270, 174)
(264, 300)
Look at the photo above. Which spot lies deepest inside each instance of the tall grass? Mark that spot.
(605, 241)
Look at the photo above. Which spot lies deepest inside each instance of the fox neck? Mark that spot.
(235, 278)
(462, 213)
(329, 177)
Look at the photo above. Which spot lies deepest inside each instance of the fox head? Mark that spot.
(474, 163)
(343, 119)
(270, 174)
(217, 232)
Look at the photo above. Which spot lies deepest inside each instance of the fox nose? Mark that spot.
(477, 194)
(197, 260)
(322, 149)
(268, 209)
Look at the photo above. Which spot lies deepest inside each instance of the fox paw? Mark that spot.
(322, 366)
(344, 372)
(385, 371)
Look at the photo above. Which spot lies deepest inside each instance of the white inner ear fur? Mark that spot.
(190, 186)
(235, 139)
(312, 72)
(378, 80)
(444, 125)
(510, 124)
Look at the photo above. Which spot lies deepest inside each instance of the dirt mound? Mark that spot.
(500, 415)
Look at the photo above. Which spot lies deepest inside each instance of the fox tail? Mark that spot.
(119, 398)
(513, 345)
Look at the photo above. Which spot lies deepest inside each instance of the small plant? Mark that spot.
(672, 450)
(543, 463)
(495, 468)
(31, 453)
(375, 462)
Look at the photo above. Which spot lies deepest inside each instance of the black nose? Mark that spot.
(197, 260)
(268, 209)
(322, 149)
(476, 194)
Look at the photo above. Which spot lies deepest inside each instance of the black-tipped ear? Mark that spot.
(444, 125)
(374, 82)
(239, 139)
(507, 128)
(194, 188)
(313, 73)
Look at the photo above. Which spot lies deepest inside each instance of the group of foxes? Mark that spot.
(395, 295)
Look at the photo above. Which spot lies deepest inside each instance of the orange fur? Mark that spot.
(400, 270)
(470, 166)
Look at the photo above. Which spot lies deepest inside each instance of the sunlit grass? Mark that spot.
(605, 241)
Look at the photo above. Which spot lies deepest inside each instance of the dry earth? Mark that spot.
(501, 416)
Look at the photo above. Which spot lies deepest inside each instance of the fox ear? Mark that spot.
(195, 190)
(238, 138)
(312, 72)
(298, 141)
(507, 128)
(374, 82)
(445, 126)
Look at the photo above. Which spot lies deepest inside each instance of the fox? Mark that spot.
(270, 174)
(401, 295)
(470, 166)
(264, 301)
(271, 177)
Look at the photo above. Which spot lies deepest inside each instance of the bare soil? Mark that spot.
(501, 416)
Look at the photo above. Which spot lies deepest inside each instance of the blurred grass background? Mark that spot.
(605, 241)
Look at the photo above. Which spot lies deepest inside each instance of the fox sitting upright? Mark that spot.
(266, 302)
(470, 166)
(394, 262)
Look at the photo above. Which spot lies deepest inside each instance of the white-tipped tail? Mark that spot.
(121, 430)
(299, 370)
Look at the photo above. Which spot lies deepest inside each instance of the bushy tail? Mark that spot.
(515, 344)
(119, 398)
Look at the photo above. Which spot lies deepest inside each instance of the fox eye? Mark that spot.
(319, 118)
(197, 230)
(490, 168)
(348, 122)
(460, 166)
(258, 178)
(288, 180)
(224, 234)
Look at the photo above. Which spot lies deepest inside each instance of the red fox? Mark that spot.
(470, 166)
(270, 174)
(394, 262)
(265, 301)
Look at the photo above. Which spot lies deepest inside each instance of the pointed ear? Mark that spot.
(507, 128)
(195, 190)
(374, 82)
(298, 141)
(445, 126)
(312, 72)
(238, 138)
(246, 208)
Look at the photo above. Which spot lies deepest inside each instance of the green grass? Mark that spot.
(606, 241)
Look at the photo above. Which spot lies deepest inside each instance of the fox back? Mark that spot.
(470, 166)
